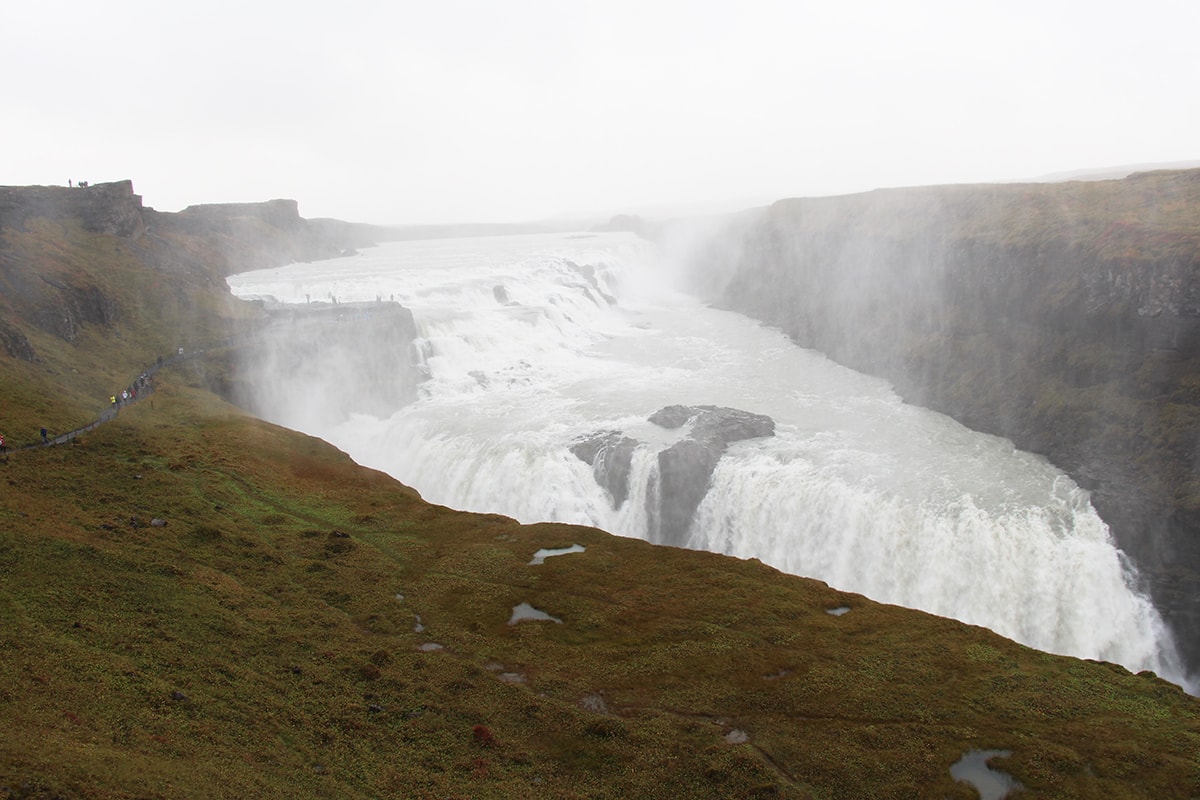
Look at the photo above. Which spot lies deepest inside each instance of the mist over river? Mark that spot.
(534, 343)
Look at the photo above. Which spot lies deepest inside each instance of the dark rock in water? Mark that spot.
(684, 470)
(715, 423)
(587, 449)
(672, 417)
(610, 456)
(686, 467)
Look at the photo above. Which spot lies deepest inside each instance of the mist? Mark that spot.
(544, 362)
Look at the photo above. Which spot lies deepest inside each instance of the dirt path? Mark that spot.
(144, 383)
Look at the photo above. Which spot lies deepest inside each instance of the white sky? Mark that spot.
(513, 110)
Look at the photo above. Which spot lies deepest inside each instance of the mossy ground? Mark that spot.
(265, 642)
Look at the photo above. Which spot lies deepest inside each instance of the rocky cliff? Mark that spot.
(110, 208)
(1065, 317)
(91, 267)
(64, 289)
(315, 364)
(257, 235)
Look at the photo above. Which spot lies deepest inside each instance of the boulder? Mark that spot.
(686, 467)
(610, 455)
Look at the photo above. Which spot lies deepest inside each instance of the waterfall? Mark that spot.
(533, 344)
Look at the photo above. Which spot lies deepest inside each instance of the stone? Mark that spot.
(610, 455)
(685, 468)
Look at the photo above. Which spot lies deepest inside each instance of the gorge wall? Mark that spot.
(1065, 317)
(91, 266)
(61, 247)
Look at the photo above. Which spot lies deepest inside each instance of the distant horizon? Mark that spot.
(462, 111)
(662, 212)
(665, 212)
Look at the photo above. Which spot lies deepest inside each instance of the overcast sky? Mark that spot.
(454, 111)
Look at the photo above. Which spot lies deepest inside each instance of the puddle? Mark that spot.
(991, 784)
(511, 677)
(837, 612)
(525, 612)
(736, 736)
(418, 627)
(541, 555)
(429, 647)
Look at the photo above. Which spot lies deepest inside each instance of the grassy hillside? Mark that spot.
(194, 603)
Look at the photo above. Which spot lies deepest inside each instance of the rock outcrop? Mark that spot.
(110, 208)
(610, 455)
(62, 290)
(319, 362)
(16, 344)
(684, 469)
(1065, 317)
(247, 236)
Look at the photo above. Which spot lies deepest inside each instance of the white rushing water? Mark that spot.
(856, 488)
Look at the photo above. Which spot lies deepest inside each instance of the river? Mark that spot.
(535, 342)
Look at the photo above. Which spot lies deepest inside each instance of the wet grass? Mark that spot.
(263, 643)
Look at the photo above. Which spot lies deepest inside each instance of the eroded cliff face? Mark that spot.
(61, 250)
(57, 298)
(110, 208)
(1065, 317)
(314, 365)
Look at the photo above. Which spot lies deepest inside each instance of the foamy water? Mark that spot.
(857, 488)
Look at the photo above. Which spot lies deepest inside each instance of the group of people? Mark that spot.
(142, 384)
